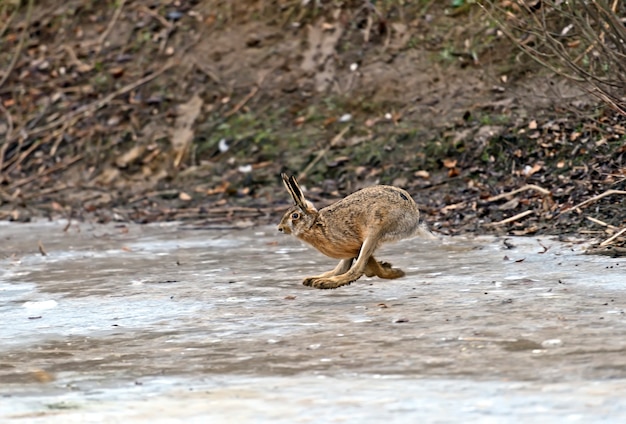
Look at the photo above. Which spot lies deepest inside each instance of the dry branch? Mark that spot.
(594, 199)
(20, 46)
(613, 237)
(582, 41)
(243, 102)
(336, 139)
(604, 224)
(98, 104)
(250, 95)
(107, 31)
(519, 190)
(50, 170)
(509, 220)
(42, 250)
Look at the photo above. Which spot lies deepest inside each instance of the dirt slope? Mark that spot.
(190, 110)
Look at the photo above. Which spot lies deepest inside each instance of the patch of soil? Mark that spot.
(147, 111)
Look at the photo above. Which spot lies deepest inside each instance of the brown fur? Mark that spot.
(351, 230)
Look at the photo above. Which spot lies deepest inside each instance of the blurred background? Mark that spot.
(497, 116)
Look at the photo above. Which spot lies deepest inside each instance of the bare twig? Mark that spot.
(208, 72)
(454, 207)
(604, 224)
(519, 190)
(50, 170)
(594, 199)
(42, 250)
(69, 222)
(5, 145)
(156, 16)
(243, 102)
(45, 192)
(613, 237)
(598, 30)
(107, 31)
(336, 139)
(250, 95)
(8, 21)
(509, 220)
(20, 46)
(9, 119)
(100, 103)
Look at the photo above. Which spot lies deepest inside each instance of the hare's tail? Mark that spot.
(423, 232)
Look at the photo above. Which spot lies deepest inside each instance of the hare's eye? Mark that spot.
(295, 215)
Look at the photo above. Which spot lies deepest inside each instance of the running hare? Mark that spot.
(352, 229)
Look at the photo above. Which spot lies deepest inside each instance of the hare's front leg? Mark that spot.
(354, 273)
(342, 267)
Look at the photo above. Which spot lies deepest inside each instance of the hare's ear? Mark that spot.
(296, 194)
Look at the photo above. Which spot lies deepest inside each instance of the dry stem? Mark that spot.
(519, 190)
(613, 237)
(509, 220)
(595, 198)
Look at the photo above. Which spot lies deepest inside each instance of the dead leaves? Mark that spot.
(453, 171)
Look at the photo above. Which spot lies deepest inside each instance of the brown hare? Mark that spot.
(352, 228)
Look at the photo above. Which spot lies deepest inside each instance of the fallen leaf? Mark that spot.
(130, 156)
(528, 170)
(329, 121)
(43, 376)
(116, 72)
(449, 163)
(219, 189)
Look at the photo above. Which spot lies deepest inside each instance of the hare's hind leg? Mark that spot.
(353, 274)
(382, 269)
(342, 267)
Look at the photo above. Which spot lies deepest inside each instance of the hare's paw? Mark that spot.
(326, 282)
(382, 269)
(309, 281)
(385, 265)
(392, 273)
(388, 272)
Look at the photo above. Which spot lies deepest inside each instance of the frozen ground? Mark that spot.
(167, 324)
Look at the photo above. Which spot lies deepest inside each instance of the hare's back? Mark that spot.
(373, 205)
(384, 194)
